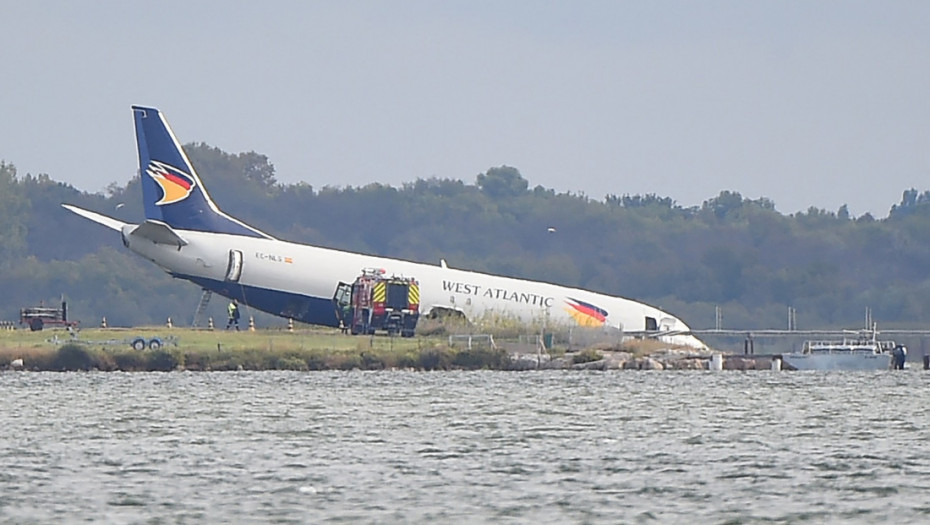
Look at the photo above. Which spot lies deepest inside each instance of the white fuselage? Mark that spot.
(315, 272)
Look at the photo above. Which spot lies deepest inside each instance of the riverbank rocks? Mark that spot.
(616, 360)
(559, 363)
(529, 361)
(621, 359)
(643, 363)
(746, 363)
(600, 364)
(697, 363)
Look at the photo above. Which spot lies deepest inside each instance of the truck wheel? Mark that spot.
(138, 344)
(407, 333)
(155, 344)
(36, 325)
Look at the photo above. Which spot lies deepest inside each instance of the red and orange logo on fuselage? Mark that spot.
(585, 314)
(175, 184)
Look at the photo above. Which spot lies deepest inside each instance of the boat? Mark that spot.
(863, 352)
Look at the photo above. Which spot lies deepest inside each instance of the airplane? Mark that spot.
(187, 235)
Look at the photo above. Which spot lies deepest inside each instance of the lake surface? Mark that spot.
(465, 447)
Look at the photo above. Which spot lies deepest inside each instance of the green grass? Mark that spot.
(303, 349)
(306, 348)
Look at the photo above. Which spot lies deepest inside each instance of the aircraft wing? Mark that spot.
(109, 222)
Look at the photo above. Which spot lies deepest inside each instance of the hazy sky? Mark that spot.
(807, 103)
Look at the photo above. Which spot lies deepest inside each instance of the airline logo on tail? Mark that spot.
(585, 314)
(175, 184)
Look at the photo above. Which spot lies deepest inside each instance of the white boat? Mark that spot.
(860, 353)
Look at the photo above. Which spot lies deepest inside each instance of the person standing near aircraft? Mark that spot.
(233, 311)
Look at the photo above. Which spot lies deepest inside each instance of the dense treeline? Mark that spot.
(736, 253)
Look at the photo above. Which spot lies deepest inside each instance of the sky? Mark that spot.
(806, 103)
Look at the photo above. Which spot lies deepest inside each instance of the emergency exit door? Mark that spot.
(234, 268)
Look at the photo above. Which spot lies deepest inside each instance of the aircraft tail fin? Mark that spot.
(172, 191)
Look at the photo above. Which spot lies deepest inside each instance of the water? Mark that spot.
(465, 447)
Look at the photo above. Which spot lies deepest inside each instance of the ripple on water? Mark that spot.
(547, 447)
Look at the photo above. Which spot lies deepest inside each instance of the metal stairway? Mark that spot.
(202, 307)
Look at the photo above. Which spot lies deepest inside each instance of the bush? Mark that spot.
(430, 327)
(316, 362)
(129, 361)
(434, 359)
(406, 360)
(73, 357)
(343, 362)
(476, 358)
(33, 359)
(162, 361)
(372, 362)
(586, 356)
(291, 363)
(197, 361)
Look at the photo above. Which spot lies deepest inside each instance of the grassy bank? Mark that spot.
(189, 349)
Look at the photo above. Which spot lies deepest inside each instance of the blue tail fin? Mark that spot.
(171, 189)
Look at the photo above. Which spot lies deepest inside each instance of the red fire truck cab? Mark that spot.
(377, 302)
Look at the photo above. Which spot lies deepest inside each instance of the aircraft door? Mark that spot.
(651, 324)
(234, 268)
(342, 302)
(667, 324)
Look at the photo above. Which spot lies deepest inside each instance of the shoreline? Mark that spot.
(185, 349)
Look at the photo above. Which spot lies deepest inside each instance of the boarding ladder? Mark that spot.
(204, 301)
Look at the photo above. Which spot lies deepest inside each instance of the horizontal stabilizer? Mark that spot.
(159, 233)
(109, 222)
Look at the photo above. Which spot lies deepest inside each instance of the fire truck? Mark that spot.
(377, 302)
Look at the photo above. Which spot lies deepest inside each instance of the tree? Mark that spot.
(14, 211)
(502, 183)
(725, 205)
(741, 253)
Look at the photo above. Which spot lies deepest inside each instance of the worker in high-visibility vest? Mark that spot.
(233, 311)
